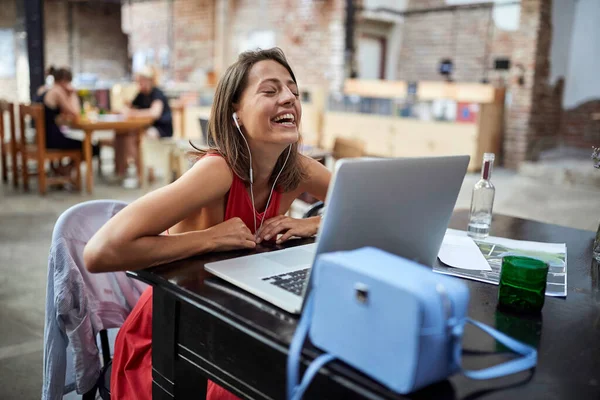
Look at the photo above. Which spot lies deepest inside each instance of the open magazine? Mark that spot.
(494, 248)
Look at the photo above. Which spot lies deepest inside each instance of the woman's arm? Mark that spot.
(132, 239)
(154, 112)
(67, 102)
(74, 99)
(58, 97)
(318, 180)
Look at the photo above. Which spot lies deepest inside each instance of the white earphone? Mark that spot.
(235, 119)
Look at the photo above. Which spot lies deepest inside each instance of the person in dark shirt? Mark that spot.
(152, 102)
(149, 102)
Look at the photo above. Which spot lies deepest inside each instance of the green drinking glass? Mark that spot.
(522, 284)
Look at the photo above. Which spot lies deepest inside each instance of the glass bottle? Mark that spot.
(482, 201)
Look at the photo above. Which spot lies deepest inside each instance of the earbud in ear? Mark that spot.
(235, 121)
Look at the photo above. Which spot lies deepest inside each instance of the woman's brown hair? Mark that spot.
(61, 74)
(227, 141)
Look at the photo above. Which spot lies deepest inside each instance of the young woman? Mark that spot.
(235, 196)
(61, 99)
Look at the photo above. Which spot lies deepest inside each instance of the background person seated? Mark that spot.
(150, 102)
(61, 100)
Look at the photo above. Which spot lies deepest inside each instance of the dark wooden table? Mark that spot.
(206, 328)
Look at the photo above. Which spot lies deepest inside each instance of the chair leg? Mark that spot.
(14, 153)
(99, 163)
(42, 176)
(25, 171)
(105, 346)
(90, 395)
(78, 175)
(3, 154)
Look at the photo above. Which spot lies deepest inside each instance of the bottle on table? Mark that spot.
(482, 201)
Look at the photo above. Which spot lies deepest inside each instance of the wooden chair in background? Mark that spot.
(38, 152)
(11, 146)
(342, 148)
(348, 148)
(178, 115)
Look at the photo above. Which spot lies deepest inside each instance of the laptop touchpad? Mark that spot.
(292, 258)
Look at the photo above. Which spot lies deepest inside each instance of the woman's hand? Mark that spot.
(69, 89)
(232, 234)
(306, 227)
(127, 112)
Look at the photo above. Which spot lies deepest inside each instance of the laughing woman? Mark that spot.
(234, 197)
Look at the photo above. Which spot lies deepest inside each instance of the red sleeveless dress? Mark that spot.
(131, 377)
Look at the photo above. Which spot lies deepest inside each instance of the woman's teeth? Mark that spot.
(285, 119)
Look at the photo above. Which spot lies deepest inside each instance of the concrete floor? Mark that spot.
(27, 220)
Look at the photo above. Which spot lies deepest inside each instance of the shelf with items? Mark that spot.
(397, 119)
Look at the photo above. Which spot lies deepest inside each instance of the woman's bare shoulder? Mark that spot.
(317, 177)
(51, 96)
(312, 167)
(214, 167)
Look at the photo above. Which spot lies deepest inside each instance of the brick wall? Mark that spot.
(468, 36)
(531, 125)
(183, 28)
(98, 44)
(193, 36)
(534, 114)
(101, 46)
(56, 33)
(9, 13)
(578, 129)
(147, 26)
(8, 16)
(311, 33)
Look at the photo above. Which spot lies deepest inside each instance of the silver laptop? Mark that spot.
(401, 205)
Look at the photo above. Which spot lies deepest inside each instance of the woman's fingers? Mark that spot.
(276, 229)
(286, 236)
(247, 235)
(268, 223)
(249, 244)
(273, 227)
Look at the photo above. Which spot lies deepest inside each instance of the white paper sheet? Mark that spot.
(494, 248)
(460, 251)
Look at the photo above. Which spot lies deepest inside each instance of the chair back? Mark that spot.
(4, 108)
(348, 148)
(122, 94)
(204, 129)
(178, 114)
(79, 304)
(36, 113)
(7, 121)
(76, 226)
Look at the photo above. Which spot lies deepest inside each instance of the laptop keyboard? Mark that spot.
(290, 281)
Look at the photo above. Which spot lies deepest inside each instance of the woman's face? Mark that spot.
(65, 85)
(269, 110)
(145, 84)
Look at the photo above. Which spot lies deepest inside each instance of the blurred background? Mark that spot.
(384, 78)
